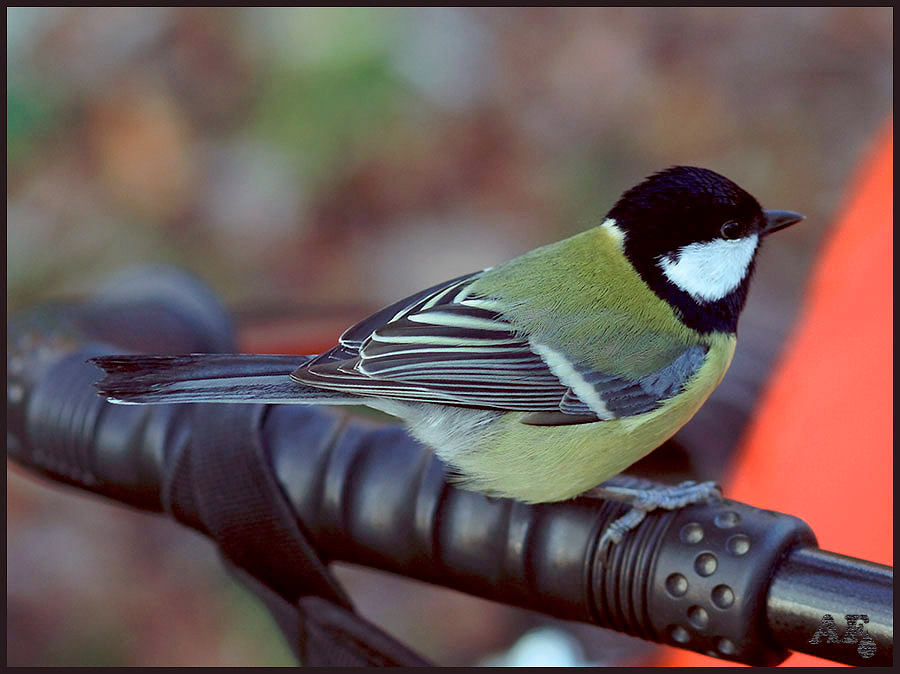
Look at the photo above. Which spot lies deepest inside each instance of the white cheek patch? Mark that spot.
(710, 270)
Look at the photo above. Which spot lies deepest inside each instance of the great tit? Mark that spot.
(544, 376)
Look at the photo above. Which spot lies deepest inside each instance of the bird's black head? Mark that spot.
(693, 236)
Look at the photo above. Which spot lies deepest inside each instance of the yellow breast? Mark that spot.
(537, 464)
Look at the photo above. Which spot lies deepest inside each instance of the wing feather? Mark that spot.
(445, 345)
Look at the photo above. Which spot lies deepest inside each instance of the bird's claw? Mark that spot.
(646, 498)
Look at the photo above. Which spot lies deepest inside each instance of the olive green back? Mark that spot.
(582, 295)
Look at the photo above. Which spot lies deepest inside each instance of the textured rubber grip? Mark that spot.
(707, 591)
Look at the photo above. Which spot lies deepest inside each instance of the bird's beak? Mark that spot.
(776, 220)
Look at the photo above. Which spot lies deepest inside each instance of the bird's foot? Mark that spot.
(645, 496)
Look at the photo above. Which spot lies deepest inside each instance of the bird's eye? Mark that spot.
(731, 230)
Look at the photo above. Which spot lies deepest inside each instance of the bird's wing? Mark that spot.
(447, 346)
(357, 334)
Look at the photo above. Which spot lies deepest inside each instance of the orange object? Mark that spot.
(821, 446)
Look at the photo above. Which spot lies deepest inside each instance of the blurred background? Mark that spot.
(314, 164)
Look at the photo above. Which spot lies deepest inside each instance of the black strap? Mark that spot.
(221, 481)
(243, 509)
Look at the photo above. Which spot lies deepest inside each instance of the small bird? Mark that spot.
(545, 376)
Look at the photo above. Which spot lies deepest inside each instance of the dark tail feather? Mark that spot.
(209, 378)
